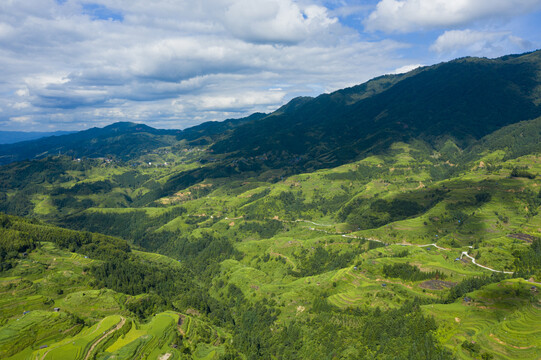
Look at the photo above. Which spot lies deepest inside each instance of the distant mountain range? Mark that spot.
(121, 140)
(462, 100)
(11, 137)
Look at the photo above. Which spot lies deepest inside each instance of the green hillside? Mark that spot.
(323, 241)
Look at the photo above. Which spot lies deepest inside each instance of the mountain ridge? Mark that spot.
(392, 110)
(464, 99)
(334, 227)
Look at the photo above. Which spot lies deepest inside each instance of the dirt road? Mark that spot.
(117, 327)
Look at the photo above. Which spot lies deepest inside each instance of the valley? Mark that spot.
(252, 239)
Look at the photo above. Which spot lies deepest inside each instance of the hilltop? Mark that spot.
(397, 219)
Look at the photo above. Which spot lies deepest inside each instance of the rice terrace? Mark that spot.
(270, 179)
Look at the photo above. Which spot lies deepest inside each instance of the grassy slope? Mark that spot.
(85, 313)
(503, 318)
(229, 208)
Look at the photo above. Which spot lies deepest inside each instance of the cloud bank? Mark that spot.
(73, 64)
(478, 42)
(412, 15)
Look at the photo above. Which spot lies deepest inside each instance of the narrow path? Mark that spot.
(298, 220)
(436, 246)
(311, 222)
(118, 326)
(44, 355)
(464, 253)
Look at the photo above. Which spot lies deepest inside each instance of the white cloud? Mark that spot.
(24, 120)
(406, 68)
(44, 80)
(413, 15)
(21, 105)
(232, 102)
(481, 43)
(5, 30)
(22, 92)
(175, 63)
(275, 21)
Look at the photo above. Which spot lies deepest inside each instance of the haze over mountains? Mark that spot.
(10, 137)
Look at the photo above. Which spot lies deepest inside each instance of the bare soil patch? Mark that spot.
(523, 237)
(437, 284)
(180, 319)
(193, 312)
(165, 356)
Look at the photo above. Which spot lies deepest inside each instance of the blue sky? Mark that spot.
(72, 64)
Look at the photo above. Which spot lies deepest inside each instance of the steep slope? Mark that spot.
(515, 140)
(464, 99)
(207, 132)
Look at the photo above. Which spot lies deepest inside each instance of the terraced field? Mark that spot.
(80, 346)
(22, 337)
(503, 319)
(149, 341)
(302, 250)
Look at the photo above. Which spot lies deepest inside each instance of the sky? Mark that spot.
(73, 64)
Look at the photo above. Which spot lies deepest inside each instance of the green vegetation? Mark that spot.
(529, 261)
(371, 228)
(409, 273)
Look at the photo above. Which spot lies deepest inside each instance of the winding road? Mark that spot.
(464, 253)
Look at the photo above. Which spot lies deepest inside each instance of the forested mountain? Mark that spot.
(397, 219)
(465, 100)
(122, 140)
